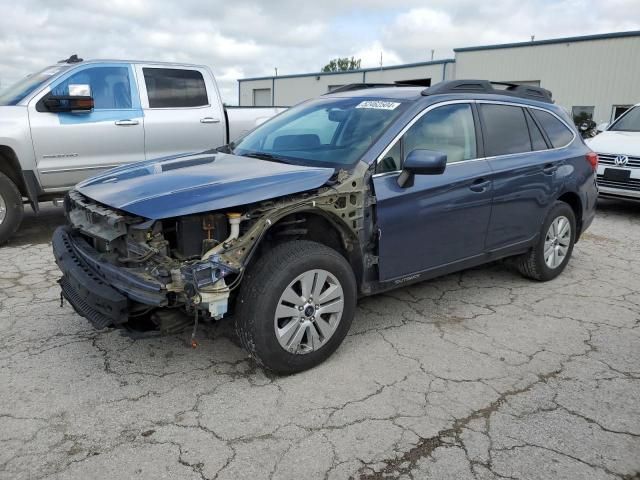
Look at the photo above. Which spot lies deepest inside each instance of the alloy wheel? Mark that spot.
(3, 210)
(557, 242)
(309, 311)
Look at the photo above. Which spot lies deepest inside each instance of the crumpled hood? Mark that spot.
(187, 184)
(616, 143)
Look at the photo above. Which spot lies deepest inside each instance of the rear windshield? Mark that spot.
(629, 122)
(330, 132)
(19, 90)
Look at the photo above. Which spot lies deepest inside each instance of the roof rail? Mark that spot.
(485, 86)
(360, 86)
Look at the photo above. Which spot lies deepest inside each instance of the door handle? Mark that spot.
(209, 120)
(480, 185)
(549, 168)
(126, 123)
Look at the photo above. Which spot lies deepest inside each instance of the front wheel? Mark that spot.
(11, 208)
(295, 306)
(549, 257)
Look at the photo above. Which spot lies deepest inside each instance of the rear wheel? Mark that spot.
(295, 306)
(11, 208)
(549, 257)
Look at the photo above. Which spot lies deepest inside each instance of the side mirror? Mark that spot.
(421, 162)
(67, 103)
(602, 127)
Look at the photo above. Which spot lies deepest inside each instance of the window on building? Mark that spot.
(261, 97)
(558, 133)
(109, 87)
(174, 88)
(448, 129)
(582, 114)
(618, 110)
(505, 130)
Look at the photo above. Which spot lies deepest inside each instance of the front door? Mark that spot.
(72, 146)
(440, 220)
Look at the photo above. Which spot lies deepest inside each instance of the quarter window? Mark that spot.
(175, 88)
(558, 133)
(448, 129)
(505, 130)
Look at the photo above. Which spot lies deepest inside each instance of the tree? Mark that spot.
(342, 64)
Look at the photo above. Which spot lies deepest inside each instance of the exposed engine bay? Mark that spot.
(193, 263)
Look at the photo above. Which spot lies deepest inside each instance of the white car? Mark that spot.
(618, 149)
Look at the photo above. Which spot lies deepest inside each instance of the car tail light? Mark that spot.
(592, 158)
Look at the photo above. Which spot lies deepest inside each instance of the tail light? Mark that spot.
(592, 158)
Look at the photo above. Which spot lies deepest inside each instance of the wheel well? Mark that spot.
(10, 166)
(318, 228)
(574, 202)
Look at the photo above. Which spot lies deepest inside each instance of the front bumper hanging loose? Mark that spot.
(100, 292)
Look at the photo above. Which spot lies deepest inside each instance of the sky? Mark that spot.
(245, 38)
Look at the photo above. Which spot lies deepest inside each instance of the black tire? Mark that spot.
(260, 293)
(532, 264)
(15, 209)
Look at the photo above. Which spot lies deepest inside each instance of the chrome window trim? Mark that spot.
(494, 102)
(414, 120)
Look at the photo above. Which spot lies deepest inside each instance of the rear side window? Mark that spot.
(175, 88)
(505, 130)
(537, 140)
(557, 131)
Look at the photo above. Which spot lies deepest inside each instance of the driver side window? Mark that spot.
(448, 129)
(109, 86)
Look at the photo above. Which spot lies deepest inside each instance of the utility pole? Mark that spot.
(276, 69)
(380, 60)
(432, 53)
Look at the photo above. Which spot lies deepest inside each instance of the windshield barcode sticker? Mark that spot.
(378, 105)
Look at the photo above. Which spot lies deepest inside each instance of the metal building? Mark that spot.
(593, 76)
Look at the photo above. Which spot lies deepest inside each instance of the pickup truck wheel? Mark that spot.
(549, 257)
(295, 306)
(11, 208)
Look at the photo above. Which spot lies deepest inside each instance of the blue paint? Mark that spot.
(103, 115)
(191, 184)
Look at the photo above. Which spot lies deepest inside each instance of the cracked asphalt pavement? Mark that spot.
(481, 374)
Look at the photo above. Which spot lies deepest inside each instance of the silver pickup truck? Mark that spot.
(76, 118)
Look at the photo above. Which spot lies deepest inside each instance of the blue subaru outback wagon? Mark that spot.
(359, 191)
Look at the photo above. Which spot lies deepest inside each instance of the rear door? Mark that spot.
(72, 146)
(524, 172)
(182, 111)
(440, 219)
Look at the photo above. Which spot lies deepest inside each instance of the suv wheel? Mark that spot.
(11, 208)
(549, 257)
(295, 306)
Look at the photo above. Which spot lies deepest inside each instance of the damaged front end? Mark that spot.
(117, 267)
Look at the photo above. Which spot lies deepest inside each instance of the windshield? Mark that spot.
(329, 132)
(629, 122)
(16, 92)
